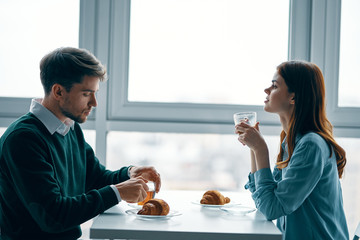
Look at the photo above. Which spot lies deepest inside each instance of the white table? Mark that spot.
(195, 222)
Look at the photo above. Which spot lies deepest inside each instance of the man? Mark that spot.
(50, 179)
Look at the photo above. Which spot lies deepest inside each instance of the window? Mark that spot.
(171, 68)
(329, 49)
(201, 51)
(349, 79)
(351, 181)
(2, 130)
(186, 161)
(29, 30)
(90, 136)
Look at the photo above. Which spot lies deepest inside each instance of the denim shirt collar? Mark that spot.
(284, 145)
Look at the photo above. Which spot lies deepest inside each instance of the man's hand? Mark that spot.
(148, 173)
(133, 190)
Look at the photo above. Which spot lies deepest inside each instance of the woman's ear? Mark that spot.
(292, 98)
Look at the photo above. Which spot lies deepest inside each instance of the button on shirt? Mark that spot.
(305, 197)
(53, 124)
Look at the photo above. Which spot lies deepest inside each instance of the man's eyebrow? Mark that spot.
(88, 90)
(273, 80)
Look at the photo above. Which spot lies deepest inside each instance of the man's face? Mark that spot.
(78, 102)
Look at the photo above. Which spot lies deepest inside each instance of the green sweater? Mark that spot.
(50, 184)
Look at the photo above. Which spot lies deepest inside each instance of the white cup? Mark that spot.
(248, 117)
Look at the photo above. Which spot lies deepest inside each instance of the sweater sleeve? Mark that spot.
(275, 199)
(31, 171)
(98, 176)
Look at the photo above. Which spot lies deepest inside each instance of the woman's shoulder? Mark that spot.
(311, 136)
(312, 139)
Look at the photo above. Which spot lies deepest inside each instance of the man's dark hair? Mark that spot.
(66, 66)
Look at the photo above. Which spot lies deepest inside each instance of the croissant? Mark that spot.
(155, 207)
(214, 197)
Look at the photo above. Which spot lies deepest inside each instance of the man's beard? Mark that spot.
(77, 119)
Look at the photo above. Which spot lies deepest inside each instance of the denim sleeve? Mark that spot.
(250, 185)
(278, 198)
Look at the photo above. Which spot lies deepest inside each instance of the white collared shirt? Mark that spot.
(51, 122)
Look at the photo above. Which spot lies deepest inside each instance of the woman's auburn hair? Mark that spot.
(307, 82)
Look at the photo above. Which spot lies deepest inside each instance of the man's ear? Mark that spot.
(57, 91)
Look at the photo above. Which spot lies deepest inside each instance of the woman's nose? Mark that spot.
(266, 90)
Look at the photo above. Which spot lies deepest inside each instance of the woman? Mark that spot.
(303, 192)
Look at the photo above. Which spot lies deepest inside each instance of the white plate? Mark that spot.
(230, 204)
(135, 205)
(238, 210)
(171, 214)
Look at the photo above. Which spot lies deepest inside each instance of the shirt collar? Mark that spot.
(51, 122)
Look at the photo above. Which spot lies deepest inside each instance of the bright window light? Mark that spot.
(206, 51)
(349, 79)
(29, 30)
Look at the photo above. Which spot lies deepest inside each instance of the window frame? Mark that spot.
(325, 52)
(212, 115)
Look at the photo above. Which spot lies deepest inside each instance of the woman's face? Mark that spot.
(278, 99)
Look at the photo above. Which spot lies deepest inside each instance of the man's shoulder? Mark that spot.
(26, 124)
(27, 121)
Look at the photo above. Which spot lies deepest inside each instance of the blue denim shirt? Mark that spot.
(305, 197)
